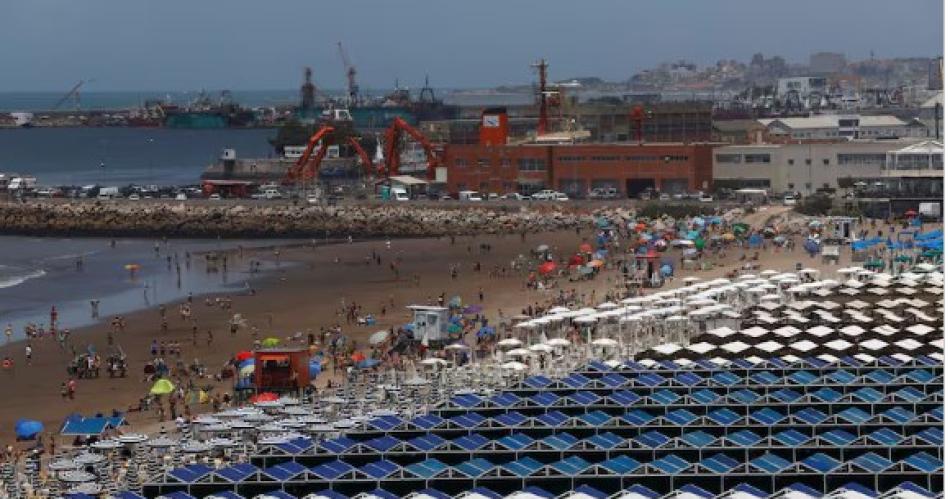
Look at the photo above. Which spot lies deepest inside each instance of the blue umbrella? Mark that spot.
(811, 246)
(27, 429)
(314, 368)
(246, 362)
(485, 331)
(367, 363)
(666, 271)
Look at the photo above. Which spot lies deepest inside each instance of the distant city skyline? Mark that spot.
(175, 45)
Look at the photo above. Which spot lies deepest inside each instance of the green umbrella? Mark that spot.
(740, 228)
(931, 253)
(454, 328)
(700, 243)
(270, 342)
(162, 387)
(902, 258)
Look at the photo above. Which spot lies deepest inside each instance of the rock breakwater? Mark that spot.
(251, 220)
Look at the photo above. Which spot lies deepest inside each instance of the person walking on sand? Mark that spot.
(8, 332)
(71, 388)
(29, 354)
(210, 337)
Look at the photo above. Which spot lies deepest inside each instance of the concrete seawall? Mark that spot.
(249, 220)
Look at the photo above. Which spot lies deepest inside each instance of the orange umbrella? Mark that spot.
(358, 357)
(546, 268)
(595, 263)
(265, 397)
(586, 248)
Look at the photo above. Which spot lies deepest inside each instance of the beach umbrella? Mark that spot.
(547, 268)
(514, 366)
(605, 342)
(509, 342)
(586, 248)
(454, 328)
(264, 397)
(542, 248)
(740, 228)
(472, 309)
(457, 346)
(595, 263)
(700, 243)
(270, 342)
(367, 363)
(910, 213)
(558, 342)
(246, 362)
(357, 357)
(132, 267)
(485, 331)
(246, 370)
(812, 246)
(378, 337)
(814, 224)
(27, 429)
(162, 387)
(728, 236)
(243, 355)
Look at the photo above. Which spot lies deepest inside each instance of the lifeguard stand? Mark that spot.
(430, 323)
(281, 369)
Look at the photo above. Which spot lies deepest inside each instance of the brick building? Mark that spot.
(575, 169)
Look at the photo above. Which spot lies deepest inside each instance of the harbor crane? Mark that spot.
(72, 94)
(392, 140)
(352, 89)
(308, 166)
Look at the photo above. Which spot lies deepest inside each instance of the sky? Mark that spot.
(255, 44)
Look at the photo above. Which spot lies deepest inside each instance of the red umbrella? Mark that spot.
(265, 397)
(586, 248)
(910, 213)
(243, 355)
(546, 268)
(575, 260)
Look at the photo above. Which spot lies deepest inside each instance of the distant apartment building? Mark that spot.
(808, 167)
(801, 86)
(837, 127)
(827, 62)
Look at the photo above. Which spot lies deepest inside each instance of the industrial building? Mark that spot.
(831, 127)
(575, 169)
(807, 167)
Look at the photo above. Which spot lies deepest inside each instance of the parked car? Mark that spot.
(560, 196)
(134, 197)
(705, 198)
(789, 200)
(602, 193)
(469, 196)
(515, 196)
(312, 198)
(543, 195)
(181, 196)
(664, 197)
(215, 197)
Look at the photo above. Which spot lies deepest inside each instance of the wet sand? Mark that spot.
(304, 293)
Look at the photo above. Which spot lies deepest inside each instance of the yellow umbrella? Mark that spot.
(162, 387)
(270, 342)
(728, 236)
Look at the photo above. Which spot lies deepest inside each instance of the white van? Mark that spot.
(469, 196)
(108, 193)
(398, 194)
(272, 193)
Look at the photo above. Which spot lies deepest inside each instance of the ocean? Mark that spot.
(39, 273)
(122, 156)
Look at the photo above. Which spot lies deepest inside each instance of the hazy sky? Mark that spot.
(263, 44)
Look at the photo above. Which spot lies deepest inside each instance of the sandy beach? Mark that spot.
(304, 292)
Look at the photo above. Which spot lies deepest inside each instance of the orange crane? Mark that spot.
(308, 166)
(393, 134)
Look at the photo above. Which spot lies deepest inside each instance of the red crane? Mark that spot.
(308, 165)
(393, 133)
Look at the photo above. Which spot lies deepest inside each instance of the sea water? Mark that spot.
(39, 273)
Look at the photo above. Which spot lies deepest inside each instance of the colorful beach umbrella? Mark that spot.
(243, 355)
(547, 267)
(162, 387)
(27, 429)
